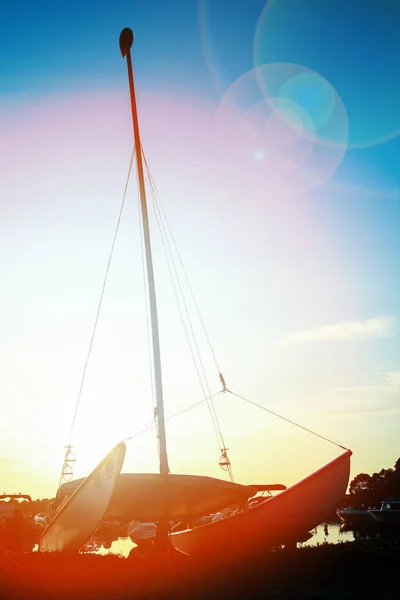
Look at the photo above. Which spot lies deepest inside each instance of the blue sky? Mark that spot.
(286, 213)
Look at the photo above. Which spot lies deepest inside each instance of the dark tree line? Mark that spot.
(370, 490)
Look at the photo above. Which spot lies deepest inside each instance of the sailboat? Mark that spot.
(258, 522)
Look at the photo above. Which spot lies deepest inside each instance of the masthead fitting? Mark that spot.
(125, 41)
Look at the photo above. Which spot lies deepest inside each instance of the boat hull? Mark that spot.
(149, 497)
(386, 517)
(77, 519)
(282, 519)
(360, 518)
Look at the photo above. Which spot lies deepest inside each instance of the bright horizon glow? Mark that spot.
(375, 328)
(299, 292)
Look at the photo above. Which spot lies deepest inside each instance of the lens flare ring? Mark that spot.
(281, 119)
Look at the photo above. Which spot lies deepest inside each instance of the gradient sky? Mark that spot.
(272, 133)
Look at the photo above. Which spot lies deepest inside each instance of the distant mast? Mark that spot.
(125, 44)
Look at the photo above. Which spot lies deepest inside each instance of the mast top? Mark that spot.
(125, 41)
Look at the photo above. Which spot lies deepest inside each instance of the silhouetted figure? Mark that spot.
(162, 542)
(19, 531)
(14, 528)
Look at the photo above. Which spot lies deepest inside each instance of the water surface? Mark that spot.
(322, 534)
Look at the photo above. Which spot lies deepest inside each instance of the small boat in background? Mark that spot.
(389, 513)
(353, 517)
(41, 518)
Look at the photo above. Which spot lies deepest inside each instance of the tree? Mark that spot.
(370, 490)
(360, 483)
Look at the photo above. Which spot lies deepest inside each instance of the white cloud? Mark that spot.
(379, 397)
(378, 327)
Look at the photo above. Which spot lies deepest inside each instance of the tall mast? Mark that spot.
(125, 44)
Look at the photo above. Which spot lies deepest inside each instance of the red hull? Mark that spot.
(282, 519)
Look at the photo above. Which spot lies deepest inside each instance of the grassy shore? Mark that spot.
(347, 570)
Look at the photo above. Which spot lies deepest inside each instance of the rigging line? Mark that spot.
(159, 218)
(183, 268)
(164, 242)
(159, 207)
(102, 293)
(288, 420)
(170, 259)
(188, 339)
(153, 424)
